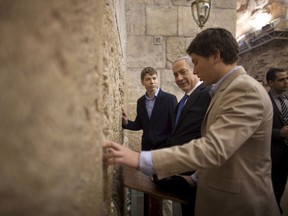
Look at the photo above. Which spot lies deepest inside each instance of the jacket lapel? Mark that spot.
(142, 107)
(226, 82)
(275, 108)
(190, 101)
(157, 104)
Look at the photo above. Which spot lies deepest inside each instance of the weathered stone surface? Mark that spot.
(135, 16)
(224, 4)
(134, 94)
(134, 78)
(176, 47)
(112, 79)
(163, 2)
(51, 115)
(141, 52)
(140, 1)
(182, 3)
(186, 24)
(259, 60)
(222, 18)
(158, 23)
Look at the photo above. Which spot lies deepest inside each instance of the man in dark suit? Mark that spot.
(187, 123)
(277, 79)
(154, 117)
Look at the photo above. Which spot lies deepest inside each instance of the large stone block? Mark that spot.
(176, 48)
(140, 1)
(135, 19)
(134, 78)
(134, 94)
(186, 24)
(51, 129)
(222, 18)
(163, 2)
(182, 3)
(258, 61)
(158, 21)
(224, 4)
(143, 51)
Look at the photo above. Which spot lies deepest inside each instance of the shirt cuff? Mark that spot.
(146, 164)
(194, 178)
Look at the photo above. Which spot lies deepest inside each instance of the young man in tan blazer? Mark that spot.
(233, 155)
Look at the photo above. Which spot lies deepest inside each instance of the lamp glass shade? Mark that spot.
(201, 11)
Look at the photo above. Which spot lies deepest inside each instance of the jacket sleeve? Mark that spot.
(137, 123)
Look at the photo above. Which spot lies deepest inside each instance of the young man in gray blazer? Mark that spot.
(232, 158)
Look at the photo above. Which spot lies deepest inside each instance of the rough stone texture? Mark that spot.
(225, 4)
(135, 14)
(258, 61)
(176, 47)
(222, 18)
(62, 89)
(113, 78)
(140, 1)
(50, 84)
(143, 52)
(186, 25)
(161, 20)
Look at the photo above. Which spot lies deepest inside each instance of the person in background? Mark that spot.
(232, 158)
(154, 118)
(187, 122)
(154, 113)
(277, 79)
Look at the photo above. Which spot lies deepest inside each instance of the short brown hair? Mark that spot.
(212, 40)
(148, 70)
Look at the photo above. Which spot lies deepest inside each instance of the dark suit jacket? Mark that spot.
(158, 128)
(277, 142)
(189, 124)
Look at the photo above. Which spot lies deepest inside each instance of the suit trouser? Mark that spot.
(279, 176)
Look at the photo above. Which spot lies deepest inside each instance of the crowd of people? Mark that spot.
(225, 142)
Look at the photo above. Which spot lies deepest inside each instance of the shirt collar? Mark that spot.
(197, 84)
(275, 96)
(155, 95)
(216, 85)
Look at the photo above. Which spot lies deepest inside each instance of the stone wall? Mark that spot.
(158, 32)
(61, 89)
(254, 20)
(259, 60)
(113, 99)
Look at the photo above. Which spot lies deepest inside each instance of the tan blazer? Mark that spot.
(233, 156)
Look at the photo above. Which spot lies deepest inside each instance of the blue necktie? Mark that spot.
(181, 105)
(284, 114)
